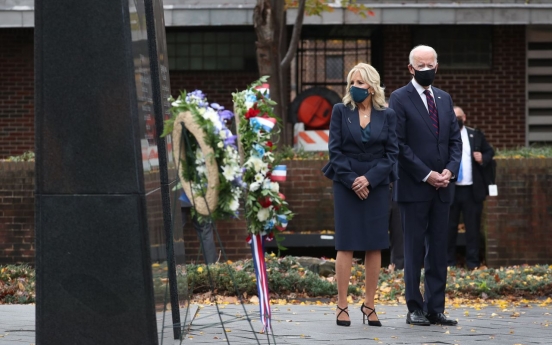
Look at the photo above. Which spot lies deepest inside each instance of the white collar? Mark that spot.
(420, 88)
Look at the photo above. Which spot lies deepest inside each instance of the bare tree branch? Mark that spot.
(295, 35)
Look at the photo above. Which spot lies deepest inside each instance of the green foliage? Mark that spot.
(265, 206)
(17, 284)
(225, 154)
(289, 153)
(525, 152)
(287, 277)
(317, 7)
(521, 281)
(28, 156)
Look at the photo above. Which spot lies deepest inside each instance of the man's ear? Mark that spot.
(436, 66)
(410, 69)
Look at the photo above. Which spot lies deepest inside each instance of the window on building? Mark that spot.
(458, 47)
(212, 50)
(334, 67)
(326, 62)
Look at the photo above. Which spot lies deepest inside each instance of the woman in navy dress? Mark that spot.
(363, 153)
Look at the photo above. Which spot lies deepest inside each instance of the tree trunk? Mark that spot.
(270, 27)
(264, 28)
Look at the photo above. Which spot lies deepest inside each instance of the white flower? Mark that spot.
(176, 103)
(259, 178)
(255, 162)
(211, 115)
(275, 187)
(201, 169)
(229, 172)
(254, 186)
(236, 192)
(269, 156)
(263, 214)
(199, 156)
(234, 204)
(220, 144)
(266, 184)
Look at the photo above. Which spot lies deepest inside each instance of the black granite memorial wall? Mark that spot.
(99, 214)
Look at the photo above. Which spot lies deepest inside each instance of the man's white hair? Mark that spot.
(421, 48)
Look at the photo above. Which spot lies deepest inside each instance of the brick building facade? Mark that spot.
(516, 222)
(16, 91)
(493, 98)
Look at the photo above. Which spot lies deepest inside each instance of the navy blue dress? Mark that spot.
(361, 225)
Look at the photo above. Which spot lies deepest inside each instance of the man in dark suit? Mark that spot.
(469, 190)
(429, 158)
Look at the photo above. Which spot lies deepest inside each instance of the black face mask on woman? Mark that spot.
(424, 78)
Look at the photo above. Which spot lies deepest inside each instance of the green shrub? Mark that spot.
(525, 152)
(17, 284)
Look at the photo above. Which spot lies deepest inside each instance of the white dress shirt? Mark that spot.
(466, 163)
(420, 89)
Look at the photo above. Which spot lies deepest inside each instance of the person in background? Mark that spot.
(396, 237)
(204, 230)
(430, 149)
(396, 240)
(363, 152)
(470, 191)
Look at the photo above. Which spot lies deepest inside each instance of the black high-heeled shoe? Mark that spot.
(367, 316)
(342, 322)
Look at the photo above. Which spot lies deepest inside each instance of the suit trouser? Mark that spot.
(425, 225)
(205, 235)
(471, 211)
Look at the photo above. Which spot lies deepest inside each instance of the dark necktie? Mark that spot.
(432, 111)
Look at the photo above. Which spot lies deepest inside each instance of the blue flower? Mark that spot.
(231, 140)
(260, 150)
(256, 126)
(217, 106)
(226, 114)
(197, 97)
(269, 225)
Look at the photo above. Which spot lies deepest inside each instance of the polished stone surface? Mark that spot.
(93, 274)
(98, 190)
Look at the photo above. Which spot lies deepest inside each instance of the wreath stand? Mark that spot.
(184, 129)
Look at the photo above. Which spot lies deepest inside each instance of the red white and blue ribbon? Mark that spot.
(265, 123)
(257, 249)
(278, 174)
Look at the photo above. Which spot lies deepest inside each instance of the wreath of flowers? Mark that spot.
(211, 118)
(265, 207)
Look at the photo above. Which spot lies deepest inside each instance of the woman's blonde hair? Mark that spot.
(371, 77)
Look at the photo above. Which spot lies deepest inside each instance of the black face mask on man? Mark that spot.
(424, 77)
(460, 123)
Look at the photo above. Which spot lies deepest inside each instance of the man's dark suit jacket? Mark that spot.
(420, 150)
(480, 189)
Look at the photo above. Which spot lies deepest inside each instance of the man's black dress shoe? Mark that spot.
(440, 319)
(417, 318)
